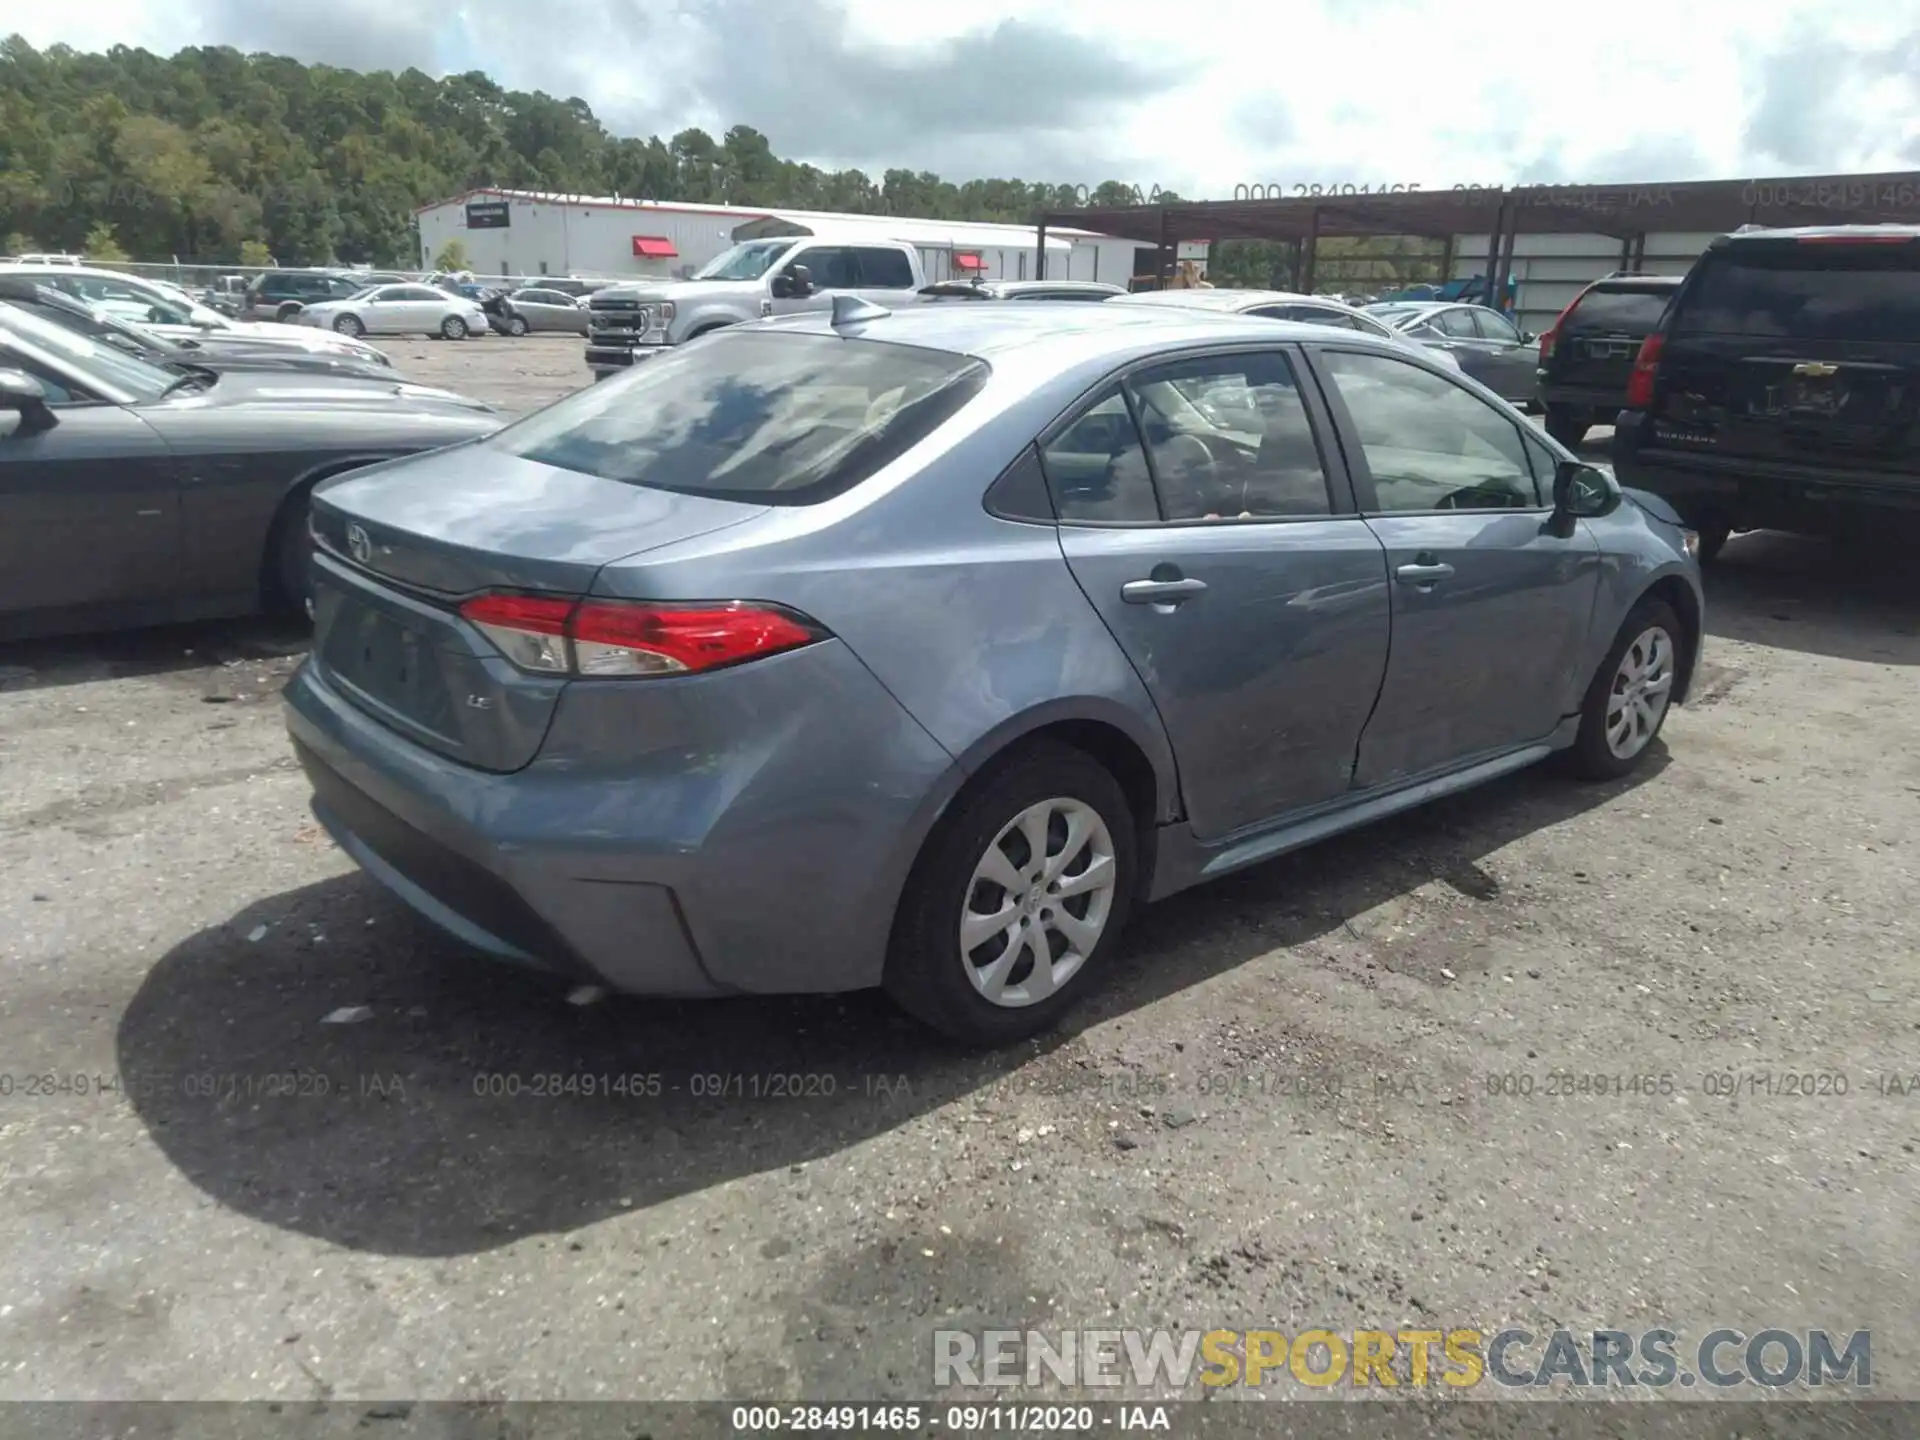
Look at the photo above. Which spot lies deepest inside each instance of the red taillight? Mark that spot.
(628, 637)
(1548, 339)
(1646, 369)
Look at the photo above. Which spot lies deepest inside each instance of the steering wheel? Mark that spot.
(1469, 497)
(1189, 465)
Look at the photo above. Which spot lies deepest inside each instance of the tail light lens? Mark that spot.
(1646, 369)
(612, 638)
(1548, 339)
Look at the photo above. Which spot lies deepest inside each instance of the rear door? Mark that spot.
(885, 274)
(1798, 350)
(1512, 361)
(1213, 531)
(1490, 609)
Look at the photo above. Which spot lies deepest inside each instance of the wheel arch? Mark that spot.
(1685, 603)
(292, 499)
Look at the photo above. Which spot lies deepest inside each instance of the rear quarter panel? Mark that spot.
(974, 623)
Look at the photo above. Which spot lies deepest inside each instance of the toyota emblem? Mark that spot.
(359, 543)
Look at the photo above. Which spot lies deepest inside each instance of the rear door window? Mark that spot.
(882, 268)
(771, 419)
(1097, 467)
(1636, 312)
(1806, 292)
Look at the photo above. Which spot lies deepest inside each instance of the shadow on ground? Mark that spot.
(162, 650)
(398, 1135)
(1849, 599)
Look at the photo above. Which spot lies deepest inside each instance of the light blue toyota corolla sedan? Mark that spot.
(914, 649)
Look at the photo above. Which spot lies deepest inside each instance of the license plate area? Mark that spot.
(391, 664)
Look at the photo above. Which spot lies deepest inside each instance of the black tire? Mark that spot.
(292, 558)
(453, 328)
(517, 325)
(1713, 532)
(1590, 757)
(926, 971)
(288, 309)
(1569, 427)
(349, 325)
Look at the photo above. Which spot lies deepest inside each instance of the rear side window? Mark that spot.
(770, 419)
(1637, 312)
(1806, 292)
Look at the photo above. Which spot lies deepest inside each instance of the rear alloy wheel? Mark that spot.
(1017, 898)
(349, 325)
(517, 325)
(453, 328)
(1569, 427)
(1631, 692)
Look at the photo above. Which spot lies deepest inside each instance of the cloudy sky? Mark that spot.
(1434, 92)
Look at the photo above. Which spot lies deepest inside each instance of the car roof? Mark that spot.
(1647, 282)
(1065, 331)
(1223, 298)
(1822, 232)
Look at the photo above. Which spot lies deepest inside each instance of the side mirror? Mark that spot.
(24, 396)
(793, 283)
(1584, 491)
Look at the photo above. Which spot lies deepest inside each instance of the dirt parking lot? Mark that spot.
(1323, 1092)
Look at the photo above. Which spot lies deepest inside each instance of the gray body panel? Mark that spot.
(764, 818)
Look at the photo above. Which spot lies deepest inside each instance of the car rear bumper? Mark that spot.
(766, 857)
(1755, 494)
(1604, 400)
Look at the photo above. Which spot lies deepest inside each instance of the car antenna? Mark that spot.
(851, 310)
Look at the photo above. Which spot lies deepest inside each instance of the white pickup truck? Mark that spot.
(755, 279)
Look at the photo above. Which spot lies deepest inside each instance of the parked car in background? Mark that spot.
(1486, 344)
(227, 294)
(131, 298)
(211, 355)
(578, 286)
(1779, 390)
(1093, 290)
(537, 309)
(1587, 354)
(282, 294)
(921, 658)
(1278, 305)
(776, 276)
(132, 494)
(398, 310)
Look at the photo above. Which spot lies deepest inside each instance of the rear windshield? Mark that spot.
(777, 419)
(1806, 292)
(1638, 311)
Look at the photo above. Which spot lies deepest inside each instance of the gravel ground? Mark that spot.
(1280, 1111)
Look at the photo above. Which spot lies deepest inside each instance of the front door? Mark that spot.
(1513, 362)
(1490, 608)
(832, 270)
(1202, 522)
(89, 508)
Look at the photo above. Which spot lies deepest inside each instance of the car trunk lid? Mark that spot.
(401, 544)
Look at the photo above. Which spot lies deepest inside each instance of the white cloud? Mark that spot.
(1434, 92)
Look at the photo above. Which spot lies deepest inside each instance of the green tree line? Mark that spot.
(215, 156)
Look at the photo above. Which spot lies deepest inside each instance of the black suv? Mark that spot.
(1780, 390)
(278, 294)
(1588, 353)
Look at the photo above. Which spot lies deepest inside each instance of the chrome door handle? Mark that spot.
(1160, 592)
(1422, 574)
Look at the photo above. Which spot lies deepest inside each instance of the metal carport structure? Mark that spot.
(1628, 213)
